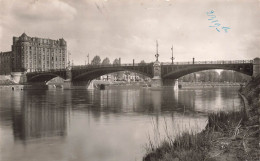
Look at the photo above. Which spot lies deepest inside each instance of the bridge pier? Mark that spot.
(36, 86)
(68, 84)
(90, 85)
(173, 83)
(19, 77)
(157, 80)
(256, 67)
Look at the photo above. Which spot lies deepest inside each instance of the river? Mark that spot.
(106, 125)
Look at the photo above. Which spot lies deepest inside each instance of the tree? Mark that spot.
(116, 62)
(188, 78)
(96, 60)
(208, 76)
(106, 61)
(142, 63)
(214, 76)
(127, 73)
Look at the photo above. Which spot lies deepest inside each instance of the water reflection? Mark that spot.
(35, 114)
(38, 119)
(101, 125)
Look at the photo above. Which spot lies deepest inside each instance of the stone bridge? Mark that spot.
(88, 72)
(161, 73)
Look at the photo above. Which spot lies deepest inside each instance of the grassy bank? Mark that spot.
(227, 137)
(6, 82)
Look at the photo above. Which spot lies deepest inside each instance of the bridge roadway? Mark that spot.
(164, 72)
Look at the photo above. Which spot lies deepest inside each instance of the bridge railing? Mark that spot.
(209, 62)
(90, 66)
(145, 64)
(50, 70)
(107, 65)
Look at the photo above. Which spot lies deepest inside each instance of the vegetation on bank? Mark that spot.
(6, 82)
(214, 76)
(227, 136)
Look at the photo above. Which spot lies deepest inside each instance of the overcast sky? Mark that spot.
(129, 28)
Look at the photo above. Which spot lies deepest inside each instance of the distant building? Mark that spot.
(38, 54)
(124, 76)
(108, 77)
(5, 63)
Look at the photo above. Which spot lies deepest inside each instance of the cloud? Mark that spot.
(129, 28)
(39, 10)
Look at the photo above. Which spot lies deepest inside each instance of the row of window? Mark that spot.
(47, 54)
(46, 62)
(51, 42)
(43, 59)
(41, 49)
(5, 59)
(5, 56)
(41, 69)
(45, 66)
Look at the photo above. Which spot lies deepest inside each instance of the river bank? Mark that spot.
(185, 85)
(227, 136)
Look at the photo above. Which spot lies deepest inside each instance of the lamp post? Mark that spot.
(157, 54)
(86, 61)
(88, 58)
(69, 54)
(172, 58)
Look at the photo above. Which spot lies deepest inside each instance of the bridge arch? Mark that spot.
(182, 71)
(95, 73)
(43, 77)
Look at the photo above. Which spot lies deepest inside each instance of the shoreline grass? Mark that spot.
(227, 136)
(189, 146)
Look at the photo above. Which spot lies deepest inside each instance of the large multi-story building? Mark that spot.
(37, 54)
(5, 63)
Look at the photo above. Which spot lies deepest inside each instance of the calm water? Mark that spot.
(111, 125)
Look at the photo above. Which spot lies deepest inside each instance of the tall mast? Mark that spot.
(172, 58)
(157, 47)
(88, 58)
(157, 54)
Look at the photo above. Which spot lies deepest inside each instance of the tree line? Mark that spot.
(119, 75)
(97, 61)
(213, 76)
(203, 76)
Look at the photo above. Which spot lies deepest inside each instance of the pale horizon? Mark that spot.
(129, 29)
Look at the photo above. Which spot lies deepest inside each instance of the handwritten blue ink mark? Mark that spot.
(214, 22)
(210, 12)
(226, 28)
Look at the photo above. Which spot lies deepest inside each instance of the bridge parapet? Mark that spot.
(40, 76)
(210, 62)
(45, 71)
(157, 71)
(256, 67)
(108, 65)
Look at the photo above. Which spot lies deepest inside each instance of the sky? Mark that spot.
(128, 29)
